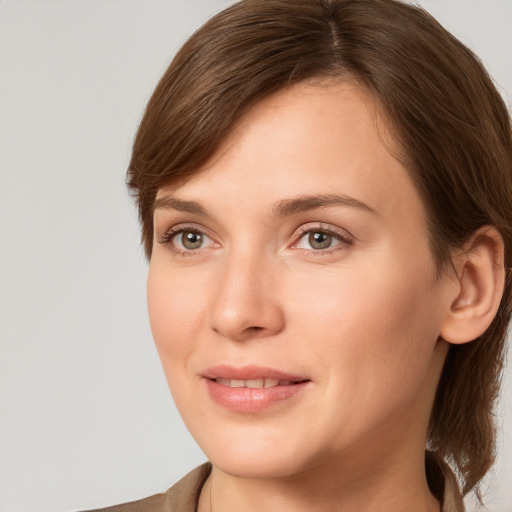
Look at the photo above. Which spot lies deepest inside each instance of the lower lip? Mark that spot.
(252, 399)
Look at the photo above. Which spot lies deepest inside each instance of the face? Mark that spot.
(292, 294)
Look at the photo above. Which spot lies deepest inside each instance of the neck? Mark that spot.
(397, 486)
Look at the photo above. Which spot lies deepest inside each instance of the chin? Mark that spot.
(258, 466)
(255, 453)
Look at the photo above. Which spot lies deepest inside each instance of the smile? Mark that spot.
(253, 383)
(252, 389)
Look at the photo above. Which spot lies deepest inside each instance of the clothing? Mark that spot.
(181, 497)
(184, 495)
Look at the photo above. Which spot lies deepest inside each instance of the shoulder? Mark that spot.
(155, 503)
(182, 496)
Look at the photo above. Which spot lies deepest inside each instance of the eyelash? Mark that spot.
(168, 236)
(344, 238)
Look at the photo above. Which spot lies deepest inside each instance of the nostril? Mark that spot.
(254, 330)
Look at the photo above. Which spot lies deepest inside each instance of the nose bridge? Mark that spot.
(247, 303)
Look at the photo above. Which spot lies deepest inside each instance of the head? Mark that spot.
(439, 114)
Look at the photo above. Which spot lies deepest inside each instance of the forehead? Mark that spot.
(277, 105)
(322, 138)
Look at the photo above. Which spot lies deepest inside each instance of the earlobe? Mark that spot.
(481, 277)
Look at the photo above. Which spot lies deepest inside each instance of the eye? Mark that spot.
(319, 239)
(189, 240)
(184, 240)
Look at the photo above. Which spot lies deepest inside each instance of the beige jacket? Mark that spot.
(184, 495)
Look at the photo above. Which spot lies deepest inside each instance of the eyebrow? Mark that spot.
(283, 208)
(306, 203)
(172, 203)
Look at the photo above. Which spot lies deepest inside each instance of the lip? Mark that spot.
(249, 373)
(243, 399)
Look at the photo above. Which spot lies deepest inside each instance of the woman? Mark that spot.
(325, 189)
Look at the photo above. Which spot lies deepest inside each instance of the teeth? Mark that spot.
(256, 383)
(253, 383)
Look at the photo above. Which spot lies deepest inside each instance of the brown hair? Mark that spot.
(451, 123)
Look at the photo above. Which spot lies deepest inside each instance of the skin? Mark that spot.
(361, 319)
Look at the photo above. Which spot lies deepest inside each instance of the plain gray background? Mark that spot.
(85, 415)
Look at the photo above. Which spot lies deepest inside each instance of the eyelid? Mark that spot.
(167, 237)
(344, 236)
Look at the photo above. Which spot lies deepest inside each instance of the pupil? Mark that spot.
(191, 240)
(319, 240)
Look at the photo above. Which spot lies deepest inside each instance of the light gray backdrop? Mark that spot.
(85, 415)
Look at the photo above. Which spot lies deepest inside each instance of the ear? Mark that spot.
(480, 276)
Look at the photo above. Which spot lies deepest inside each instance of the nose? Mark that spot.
(247, 304)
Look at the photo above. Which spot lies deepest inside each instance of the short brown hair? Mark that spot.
(451, 124)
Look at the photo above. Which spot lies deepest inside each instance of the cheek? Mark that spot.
(371, 337)
(376, 324)
(175, 313)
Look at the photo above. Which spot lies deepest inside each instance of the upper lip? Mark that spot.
(249, 373)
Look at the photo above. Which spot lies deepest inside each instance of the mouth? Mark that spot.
(252, 388)
(255, 383)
